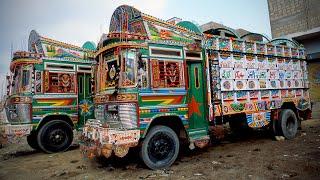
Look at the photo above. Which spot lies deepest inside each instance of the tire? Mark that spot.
(32, 141)
(287, 124)
(160, 148)
(55, 136)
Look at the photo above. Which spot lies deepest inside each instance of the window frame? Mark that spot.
(84, 66)
(47, 78)
(193, 58)
(181, 74)
(47, 64)
(123, 68)
(196, 77)
(165, 49)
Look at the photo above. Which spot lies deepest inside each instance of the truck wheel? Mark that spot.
(32, 141)
(55, 136)
(288, 124)
(160, 148)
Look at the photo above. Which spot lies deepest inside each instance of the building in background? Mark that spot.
(300, 20)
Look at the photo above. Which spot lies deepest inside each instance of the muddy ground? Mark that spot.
(255, 156)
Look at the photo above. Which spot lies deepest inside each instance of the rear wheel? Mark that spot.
(32, 140)
(288, 124)
(160, 148)
(55, 136)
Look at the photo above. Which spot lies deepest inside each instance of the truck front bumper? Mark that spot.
(99, 141)
(14, 133)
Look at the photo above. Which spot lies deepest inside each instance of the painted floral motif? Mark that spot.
(224, 44)
(86, 107)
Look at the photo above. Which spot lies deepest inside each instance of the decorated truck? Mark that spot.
(48, 93)
(159, 84)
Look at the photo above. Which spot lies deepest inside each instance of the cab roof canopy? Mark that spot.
(35, 44)
(128, 23)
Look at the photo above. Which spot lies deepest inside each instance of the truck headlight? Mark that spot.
(19, 113)
(99, 112)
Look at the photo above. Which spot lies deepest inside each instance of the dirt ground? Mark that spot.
(255, 156)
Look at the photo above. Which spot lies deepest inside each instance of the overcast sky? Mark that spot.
(77, 21)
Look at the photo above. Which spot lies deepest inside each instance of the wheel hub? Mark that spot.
(290, 125)
(161, 147)
(57, 137)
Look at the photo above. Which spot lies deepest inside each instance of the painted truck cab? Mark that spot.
(49, 93)
(141, 84)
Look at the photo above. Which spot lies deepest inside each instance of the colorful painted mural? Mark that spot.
(54, 49)
(262, 84)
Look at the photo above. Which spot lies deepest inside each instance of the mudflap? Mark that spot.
(3, 137)
(217, 133)
(276, 132)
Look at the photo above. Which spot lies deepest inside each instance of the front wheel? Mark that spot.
(55, 136)
(32, 140)
(160, 148)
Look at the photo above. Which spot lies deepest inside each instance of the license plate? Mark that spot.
(18, 130)
(124, 137)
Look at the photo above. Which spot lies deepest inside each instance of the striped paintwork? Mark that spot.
(163, 100)
(257, 120)
(54, 102)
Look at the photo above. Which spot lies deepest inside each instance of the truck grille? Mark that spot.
(120, 116)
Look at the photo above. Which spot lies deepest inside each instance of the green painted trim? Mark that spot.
(158, 116)
(165, 46)
(199, 133)
(53, 114)
(39, 67)
(66, 61)
(166, 58)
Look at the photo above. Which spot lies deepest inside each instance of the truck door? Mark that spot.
(85, 104)
(196, 99)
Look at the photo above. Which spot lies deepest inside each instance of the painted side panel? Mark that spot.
(253, 79)
(154, 104)
(43, 106)
(85, 103)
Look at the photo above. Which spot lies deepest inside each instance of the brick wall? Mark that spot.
(291, 16)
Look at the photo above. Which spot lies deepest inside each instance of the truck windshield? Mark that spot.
(111, 70)
(117, 73)
(21, 79)
(128, 72)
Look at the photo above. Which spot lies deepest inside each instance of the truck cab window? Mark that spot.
(188, 80)
(167, 74)
(196, 77)
(128, 73)
(60, 82)
(80, 85)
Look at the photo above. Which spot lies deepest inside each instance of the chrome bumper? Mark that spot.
(100, 141)
(14, 133)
